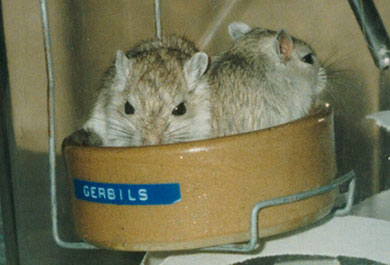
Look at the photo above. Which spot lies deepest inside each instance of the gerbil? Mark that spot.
(155, 94)
(265, 79)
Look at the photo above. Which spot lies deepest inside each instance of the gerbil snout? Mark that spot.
(151, 139)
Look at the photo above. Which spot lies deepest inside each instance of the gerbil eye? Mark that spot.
(129, 109)
(308, 58)
(179, 109)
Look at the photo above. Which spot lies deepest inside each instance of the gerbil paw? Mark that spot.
(83, 138)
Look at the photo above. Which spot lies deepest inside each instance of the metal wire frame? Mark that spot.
(157, 13)
(51, 133)
(254, 229)
(51, 120)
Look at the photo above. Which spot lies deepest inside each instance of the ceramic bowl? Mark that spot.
(198, 194)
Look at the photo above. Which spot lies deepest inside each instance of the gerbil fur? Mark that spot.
(265, 79)
(156, 93)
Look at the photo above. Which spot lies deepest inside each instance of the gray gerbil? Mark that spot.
(155, 94)
(265, 79)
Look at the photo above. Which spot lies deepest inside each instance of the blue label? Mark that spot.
(127, 194)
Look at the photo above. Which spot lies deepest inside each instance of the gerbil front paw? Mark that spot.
(83, 138)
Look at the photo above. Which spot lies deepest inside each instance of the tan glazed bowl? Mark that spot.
(216, 183)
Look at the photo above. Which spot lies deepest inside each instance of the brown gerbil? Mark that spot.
(265, 79)
(155, 94)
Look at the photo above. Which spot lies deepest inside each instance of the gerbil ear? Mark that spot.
(195, 67)
(122, 68)
(285, 44)
(238, 29)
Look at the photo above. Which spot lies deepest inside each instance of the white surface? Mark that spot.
(382, 119)
(377, 206)
(354, 236)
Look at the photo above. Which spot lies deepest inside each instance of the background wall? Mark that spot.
(85, 36)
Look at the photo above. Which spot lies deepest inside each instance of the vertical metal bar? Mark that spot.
(51, 131)
(374, 31)
(157, 13)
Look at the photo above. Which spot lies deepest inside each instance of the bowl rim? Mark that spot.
(317, 113)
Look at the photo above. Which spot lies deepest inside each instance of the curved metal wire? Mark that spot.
(51, 133)
(51, 122)
(157, 13)
(253, 244)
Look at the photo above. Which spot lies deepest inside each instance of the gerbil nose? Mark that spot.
(151, 140)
